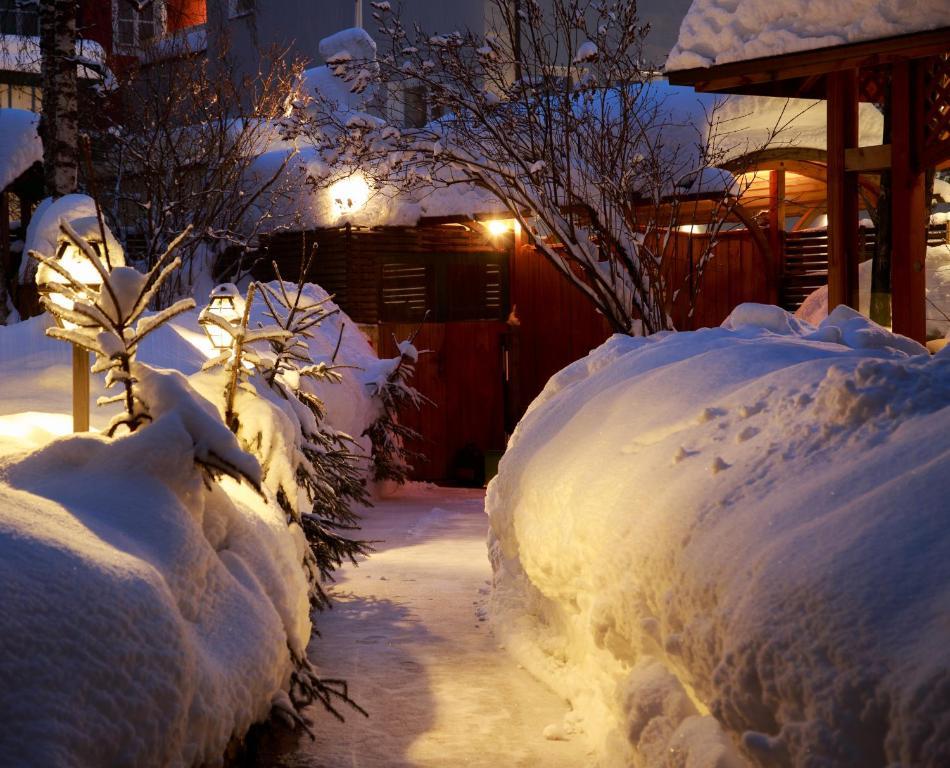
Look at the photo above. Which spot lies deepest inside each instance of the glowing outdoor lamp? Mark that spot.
(227, 303)
(350, 193)
(70, 258)
(499, 227)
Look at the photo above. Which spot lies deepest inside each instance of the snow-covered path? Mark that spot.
(408, 633)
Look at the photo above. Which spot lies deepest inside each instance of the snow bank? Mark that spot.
(729, 546)
(720, 31)
(146, 617)
(20, 144)
(815, 308)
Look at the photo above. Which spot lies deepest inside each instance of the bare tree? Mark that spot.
(558, 116)
(182, 146)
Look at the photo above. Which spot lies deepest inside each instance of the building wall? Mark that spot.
(299, 25)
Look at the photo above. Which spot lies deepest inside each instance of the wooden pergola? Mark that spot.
(916, 69)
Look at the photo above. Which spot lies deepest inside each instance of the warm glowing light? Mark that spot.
(34, 428)
(349, 194)
(499, 227)
(79, 268)
(226, 303)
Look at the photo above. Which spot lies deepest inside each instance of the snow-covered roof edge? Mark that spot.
(723, 31)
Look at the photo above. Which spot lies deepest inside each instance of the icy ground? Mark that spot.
(408, 631)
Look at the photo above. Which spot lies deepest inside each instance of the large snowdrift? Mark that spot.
(720, 31)
(729, 546)
(146, 617)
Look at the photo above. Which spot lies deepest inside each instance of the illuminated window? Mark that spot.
(20, 96)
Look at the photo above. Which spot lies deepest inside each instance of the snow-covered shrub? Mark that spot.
(389, 384)
(312, 469)
(729, 546)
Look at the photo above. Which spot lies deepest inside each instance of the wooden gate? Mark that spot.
(461, 369)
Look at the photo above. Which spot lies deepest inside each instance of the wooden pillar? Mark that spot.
(908, 206)
(842, 190)
(777, 222)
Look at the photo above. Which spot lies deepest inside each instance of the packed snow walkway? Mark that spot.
(409, 632)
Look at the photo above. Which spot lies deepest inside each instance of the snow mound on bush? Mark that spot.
(729, 546)
(146, 617)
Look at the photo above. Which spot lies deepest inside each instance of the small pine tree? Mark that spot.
(392, 459)
(108, 322)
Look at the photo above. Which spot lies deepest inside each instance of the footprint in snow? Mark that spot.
(682, 453)
(747, 434)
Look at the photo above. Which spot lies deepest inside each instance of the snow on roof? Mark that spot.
(20, 144)
(20, 53)
(722, 31)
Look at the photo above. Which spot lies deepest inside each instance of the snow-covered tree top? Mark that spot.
(20, 144)
(723, 31)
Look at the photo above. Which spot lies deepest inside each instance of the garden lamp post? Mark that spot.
(49, 283)
(227, 303)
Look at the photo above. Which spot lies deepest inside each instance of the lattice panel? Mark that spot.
(937, 109)
(872, 85)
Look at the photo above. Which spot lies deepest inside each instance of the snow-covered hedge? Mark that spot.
(730, 546)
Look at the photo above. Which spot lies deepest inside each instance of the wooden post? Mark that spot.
(80, 389)
(908, 207)
(842, 190)
(777, 220)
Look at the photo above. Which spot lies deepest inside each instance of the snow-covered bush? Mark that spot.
(729, 546)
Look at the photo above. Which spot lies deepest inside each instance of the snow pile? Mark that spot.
(729, 546)
(720, 31)
(815, 308)
(20, 144)
(147, 616)
(44, 233)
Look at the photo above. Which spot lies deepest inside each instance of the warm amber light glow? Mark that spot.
(499, 227)
(350, 194)
(227, 303)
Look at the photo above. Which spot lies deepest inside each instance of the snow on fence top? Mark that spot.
(722, 31)
(20, 144)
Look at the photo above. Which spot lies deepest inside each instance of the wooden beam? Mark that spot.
(777, 214)
(908, 207)
(868, 159)
(842, 190)
(736, 76)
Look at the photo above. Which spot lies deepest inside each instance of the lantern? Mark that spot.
(50, 283)
(226, 303)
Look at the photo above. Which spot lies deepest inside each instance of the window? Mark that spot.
(137, 22)
(240, 8)
(20, 96)
(414, 106)
(19, 17)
